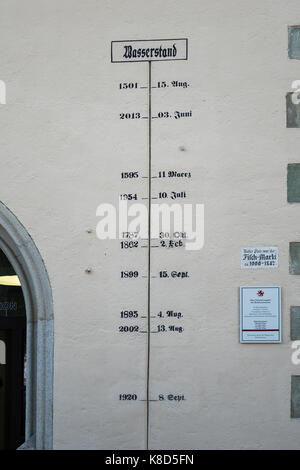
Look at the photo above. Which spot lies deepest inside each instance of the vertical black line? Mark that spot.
(149, 248)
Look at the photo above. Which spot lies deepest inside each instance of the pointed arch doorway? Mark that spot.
(26, 340)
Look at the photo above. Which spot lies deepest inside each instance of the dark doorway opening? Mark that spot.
(12, 358)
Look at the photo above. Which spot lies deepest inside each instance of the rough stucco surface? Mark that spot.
(62, 150)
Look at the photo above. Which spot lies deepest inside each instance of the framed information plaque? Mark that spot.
(260, 314)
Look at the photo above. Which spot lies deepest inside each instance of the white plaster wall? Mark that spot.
(62, 150)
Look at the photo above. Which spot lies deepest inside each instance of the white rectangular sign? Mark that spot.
(259, 257)
(260, 314)
(149, 50)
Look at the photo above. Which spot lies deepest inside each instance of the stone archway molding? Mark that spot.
(24, 256)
